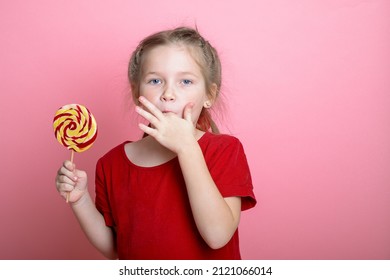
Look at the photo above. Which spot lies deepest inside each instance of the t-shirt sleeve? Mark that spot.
(230, 172)
(102, 199)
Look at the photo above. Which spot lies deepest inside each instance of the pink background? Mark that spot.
(307, 87)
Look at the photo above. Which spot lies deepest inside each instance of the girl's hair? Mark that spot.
(203, 53)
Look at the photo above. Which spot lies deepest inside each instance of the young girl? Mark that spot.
(178, 192)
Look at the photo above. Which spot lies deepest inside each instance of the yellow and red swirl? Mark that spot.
(75, 127)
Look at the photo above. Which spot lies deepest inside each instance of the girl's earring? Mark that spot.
(207, 104)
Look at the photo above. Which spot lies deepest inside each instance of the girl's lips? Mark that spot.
(174, 111)
(168, 111)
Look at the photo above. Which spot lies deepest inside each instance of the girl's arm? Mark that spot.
(94, 227)
(216, 217)
(90, 219)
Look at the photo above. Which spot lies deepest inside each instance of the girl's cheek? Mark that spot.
(196, 112)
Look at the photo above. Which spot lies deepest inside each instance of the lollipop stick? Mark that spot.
(71, 160)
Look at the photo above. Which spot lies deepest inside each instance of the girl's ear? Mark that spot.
(212, 96)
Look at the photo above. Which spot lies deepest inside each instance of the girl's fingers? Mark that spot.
(65, 188)
(146, 115)
(152, 109)
(62, 179)
(188, 112)
(64, 184)
(68, 165)
(148, 130)
(67, 173)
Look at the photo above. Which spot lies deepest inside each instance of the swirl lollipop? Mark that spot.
(75, 128)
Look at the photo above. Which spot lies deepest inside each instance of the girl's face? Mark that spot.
(171, 79)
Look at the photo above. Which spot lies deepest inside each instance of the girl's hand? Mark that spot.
(72, 181)
(168, 129)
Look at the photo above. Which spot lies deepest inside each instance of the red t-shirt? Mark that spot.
(149, 206)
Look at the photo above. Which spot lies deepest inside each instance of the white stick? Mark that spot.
(71, 160)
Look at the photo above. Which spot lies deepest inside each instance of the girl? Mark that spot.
(178, 192)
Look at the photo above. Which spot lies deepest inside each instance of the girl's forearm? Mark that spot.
(216, 217)
(93, 225)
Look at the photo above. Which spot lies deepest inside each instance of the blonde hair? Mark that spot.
(204, 54)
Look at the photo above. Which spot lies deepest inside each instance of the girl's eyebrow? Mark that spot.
(188, 73)
(152, 73)
(179, 73)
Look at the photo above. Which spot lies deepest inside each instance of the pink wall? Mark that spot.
(307, 84)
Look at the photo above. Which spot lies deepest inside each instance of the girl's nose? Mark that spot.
(168, 94)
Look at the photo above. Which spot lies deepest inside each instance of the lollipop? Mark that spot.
(75, 128)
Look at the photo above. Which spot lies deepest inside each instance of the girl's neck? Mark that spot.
(147, 152)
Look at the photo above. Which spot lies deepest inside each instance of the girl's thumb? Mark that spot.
(188, 112)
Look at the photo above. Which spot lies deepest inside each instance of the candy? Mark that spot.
(75, 127)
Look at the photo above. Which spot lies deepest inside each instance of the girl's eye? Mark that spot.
(187, 82)
(155, 81)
